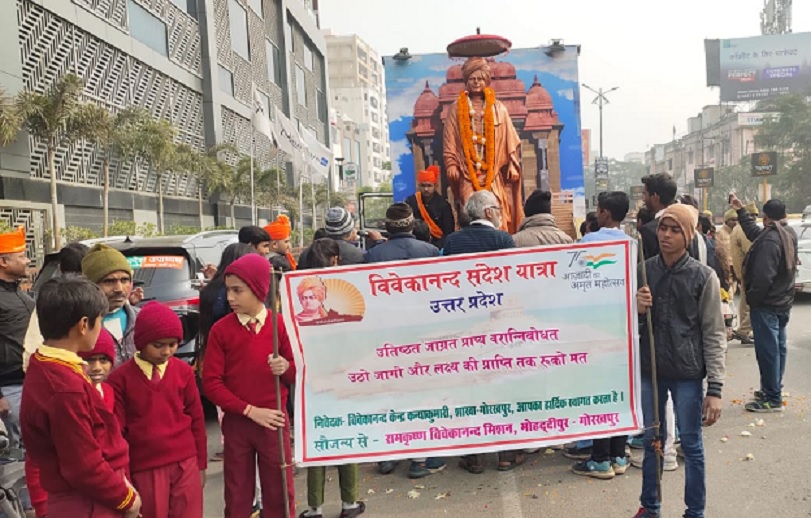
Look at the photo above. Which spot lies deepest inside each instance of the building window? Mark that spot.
(292, 38)
(308, 58)
(347, 148)
(265, 103)
(373, 102)
(256, 6)
(362, 55)
(301, 91)
(226, 80)
(187, 6)
(147, 28)
(274, 59)
(238, 22)
(321, 105)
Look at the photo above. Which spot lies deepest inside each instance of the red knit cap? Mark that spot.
(105, 344)
(156, 322)
(253, 270)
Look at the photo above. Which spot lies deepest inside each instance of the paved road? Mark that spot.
(775, 483)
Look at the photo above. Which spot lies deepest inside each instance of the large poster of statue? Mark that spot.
(538, 89)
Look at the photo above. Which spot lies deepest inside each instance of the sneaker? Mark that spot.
(590, 468)
(763, 407)
(619, 465)
(670, 464)
(386, 467)
(759, 395)
(423, 469)
(644, 513)
(637, 443)
(745, 339)
(679, 452)
(352, 513)
(637, 456)
(575, 453)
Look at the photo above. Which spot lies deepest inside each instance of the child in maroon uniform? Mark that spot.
(69, 433)
(158, 405)
(99, 363)
(239, 378)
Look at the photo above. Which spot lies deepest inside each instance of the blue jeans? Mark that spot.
(688, 401)
(769, 328)
(14, 395)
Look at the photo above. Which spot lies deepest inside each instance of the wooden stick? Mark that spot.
(654, 379)
(274, 312)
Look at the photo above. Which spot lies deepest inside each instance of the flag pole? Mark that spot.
(253, 199)
(301, 210)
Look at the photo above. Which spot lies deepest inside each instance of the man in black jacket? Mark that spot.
(15, 312)
(690, 343)
(658, 194)
(769, 269)
(483, 234)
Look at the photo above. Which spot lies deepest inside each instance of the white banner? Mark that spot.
(466, 354)
(259, 119)
(288, 138)
(316, 155)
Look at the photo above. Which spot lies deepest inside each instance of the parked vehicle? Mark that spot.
(803, 279)
(167, 268)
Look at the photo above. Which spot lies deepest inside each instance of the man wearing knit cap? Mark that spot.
(769, 271)
(108, 268)
(431, 207)
(339, 225)
(15, 312)
(739, 246)
(683, 296)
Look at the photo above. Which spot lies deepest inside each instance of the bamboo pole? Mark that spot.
(274, 310)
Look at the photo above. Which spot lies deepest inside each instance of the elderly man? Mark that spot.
(108, 268)
(15, 311)
(483, 234)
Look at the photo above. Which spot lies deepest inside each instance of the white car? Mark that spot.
(803, 279)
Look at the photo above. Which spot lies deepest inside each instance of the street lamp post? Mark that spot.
(601, 100)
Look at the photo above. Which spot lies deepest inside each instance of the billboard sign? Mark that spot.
(541, 94)
(764, 66)
(704, 177)
(764, 164)
(601, 168)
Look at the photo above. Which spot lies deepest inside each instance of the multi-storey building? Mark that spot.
(191, 62)
(358, 94)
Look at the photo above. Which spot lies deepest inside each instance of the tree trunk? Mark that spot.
(106, 196)
(233, 216)
(160, 204)
(57, 232)
(200, 205)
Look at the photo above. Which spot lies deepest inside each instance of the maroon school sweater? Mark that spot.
(236, 371)
(71, 435)
(162, 422)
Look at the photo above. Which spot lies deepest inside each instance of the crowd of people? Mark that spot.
(113, 424)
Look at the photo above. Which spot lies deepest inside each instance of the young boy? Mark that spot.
(239, 377)
(280, 256)
(69, 433)
(99, 363)
(158, 406)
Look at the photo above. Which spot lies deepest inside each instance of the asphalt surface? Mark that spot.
(775, 483)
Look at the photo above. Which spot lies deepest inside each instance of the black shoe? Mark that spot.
(575, 453)
(386, 467)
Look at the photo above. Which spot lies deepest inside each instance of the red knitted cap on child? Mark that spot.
(105, 345)
(156, 322)
(253, 270)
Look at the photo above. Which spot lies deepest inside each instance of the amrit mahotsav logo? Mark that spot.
(596, 261)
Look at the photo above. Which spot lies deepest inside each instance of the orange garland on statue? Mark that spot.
(469, 140)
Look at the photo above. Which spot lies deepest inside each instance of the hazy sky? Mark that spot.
(652, 49)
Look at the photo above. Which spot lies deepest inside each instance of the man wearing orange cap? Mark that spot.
(429, 206)
(280, 256)
(15, 312)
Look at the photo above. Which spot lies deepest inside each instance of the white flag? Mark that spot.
(288, 138)
(259, 118)
(316, 155)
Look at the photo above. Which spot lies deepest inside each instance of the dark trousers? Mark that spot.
(603, 450)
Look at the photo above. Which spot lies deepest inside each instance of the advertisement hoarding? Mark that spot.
(764, 164)
(704, 177)
(764, 66)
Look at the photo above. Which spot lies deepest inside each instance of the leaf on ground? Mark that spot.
(749, 456)
(389, 491)
(413, 494)
(746, 434)
(760, 422)
(419, 487)
(442, 496)
(549, 451)
(370, 491)
(724, 438)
